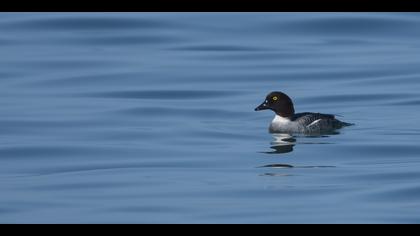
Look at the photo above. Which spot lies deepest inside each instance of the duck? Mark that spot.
(289, 122)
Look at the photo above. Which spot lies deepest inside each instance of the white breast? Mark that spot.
(280, 124)
(278, 120)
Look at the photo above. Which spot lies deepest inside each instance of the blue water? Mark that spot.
(148, 118)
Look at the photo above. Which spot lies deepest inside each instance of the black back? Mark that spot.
(306, 118)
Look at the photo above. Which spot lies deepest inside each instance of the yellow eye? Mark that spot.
(275, 98)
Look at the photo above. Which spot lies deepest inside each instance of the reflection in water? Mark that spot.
(284, 143)
(275, 174)
(278, 166)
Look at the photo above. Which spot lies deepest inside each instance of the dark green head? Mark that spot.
(278, 102)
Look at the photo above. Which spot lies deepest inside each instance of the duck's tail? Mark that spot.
(346, 124)
(342, 123)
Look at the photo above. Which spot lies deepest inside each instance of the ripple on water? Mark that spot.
(150, 209)
(378, 152)
(94, 30)
(218, 48)
(165, 94)
(413, 102)
(99, 166)
(390, 176)
(184, 112)
(76, 21)
(124, 40)
(350, 98)
(88, 80)
(80, 186)
(52, 152)
(5, 42)
(61, 64)
(404, 194)
(350, 25)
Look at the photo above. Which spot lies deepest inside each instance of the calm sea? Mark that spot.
(149, 118)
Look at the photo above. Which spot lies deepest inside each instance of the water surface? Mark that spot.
(148, 118)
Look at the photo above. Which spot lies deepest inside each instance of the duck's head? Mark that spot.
(278, 102)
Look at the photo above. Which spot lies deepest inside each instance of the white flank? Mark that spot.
(314, 122)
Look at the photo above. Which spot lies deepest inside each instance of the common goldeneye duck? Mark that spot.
(286, 121)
